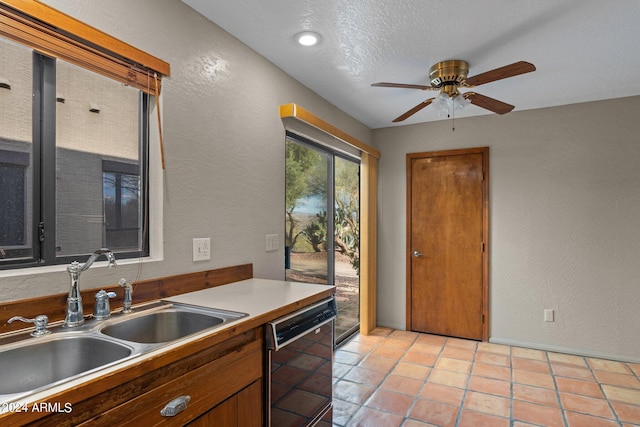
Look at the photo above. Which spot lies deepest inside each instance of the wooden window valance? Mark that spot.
(55, 34)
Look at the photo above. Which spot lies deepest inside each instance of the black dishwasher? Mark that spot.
(300, 366)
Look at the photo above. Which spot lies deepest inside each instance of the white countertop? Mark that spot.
(252, 296)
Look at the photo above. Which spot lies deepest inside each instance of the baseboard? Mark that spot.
(566, 350)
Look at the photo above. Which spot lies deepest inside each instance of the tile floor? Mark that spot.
(398, 378)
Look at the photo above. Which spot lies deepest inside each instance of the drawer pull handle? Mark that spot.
(176, 406)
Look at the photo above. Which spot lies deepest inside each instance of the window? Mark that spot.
(13, 197)
(86, 187)
(121, 195)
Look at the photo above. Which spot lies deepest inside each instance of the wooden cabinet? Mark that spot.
(244, 409)
(214, 388)
(223, 381)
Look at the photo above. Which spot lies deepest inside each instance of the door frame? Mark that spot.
(485, 229)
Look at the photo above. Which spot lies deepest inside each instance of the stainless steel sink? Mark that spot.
(168, 325)
(29, 365)
(45, 361)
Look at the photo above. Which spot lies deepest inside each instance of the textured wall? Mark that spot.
(223, 139)
(564, 222)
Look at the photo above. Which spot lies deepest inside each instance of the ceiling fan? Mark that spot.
(448, 76)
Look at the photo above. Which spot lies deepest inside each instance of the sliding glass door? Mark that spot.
(322, 217)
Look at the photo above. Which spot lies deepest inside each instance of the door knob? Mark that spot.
(417, 254)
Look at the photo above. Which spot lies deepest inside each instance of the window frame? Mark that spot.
(53, 34)
(43, 213)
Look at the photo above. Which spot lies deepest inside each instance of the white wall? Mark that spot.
(223, 140)
(564, 222)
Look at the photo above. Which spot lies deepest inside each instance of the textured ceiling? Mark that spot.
(583, 50)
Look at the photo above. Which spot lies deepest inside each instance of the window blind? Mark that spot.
(55, 34)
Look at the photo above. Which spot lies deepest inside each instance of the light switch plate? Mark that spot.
(202, 249)
(271, 242)
(548, 315)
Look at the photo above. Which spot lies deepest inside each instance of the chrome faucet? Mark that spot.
(75, 313)
(127, 298)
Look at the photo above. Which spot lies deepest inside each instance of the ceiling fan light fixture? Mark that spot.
(307, 38)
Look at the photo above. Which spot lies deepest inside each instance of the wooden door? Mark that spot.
(447, 260)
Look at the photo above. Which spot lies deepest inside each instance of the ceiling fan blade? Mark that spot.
(403, 86)
(507, 71)
(414, 110)
(490, 104)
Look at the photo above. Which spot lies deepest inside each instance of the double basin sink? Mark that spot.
(35, 364)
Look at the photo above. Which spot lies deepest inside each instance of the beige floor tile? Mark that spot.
(411, 370)
(530, 365)
(381, 332)
(433, 412)
(539, 395)
(572, 371)
(537, 414)
(378, 363)
(414, 423)
(583, 388)
(608, 366)
(388, 352)
(622, 380)
(426, 348)
(454, 365)
(586, 405)
(458, 353)
(493, 359)
(568, 359)
(352, 392)
(400, 384)
(368, 417)
(626, 412)
(399, 343)
(460, 343)
(357, 347)
(432, 339)
(387, 401)
(479, 419)
(368, 339)
(488, 404)
(533, 378)
(575, 419)
(492, 371)
(443, 394)
(347, 358)
(404, 335)
(528, 353)
(621, 394)
(419, 358)
(399, 378)
(365, 376)
(453, 379)
(490, 386)
(494, 348)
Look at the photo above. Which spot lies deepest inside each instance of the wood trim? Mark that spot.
(70, 25)
(297, 112)
(368, 211)
(485, 229)
(368, 242)
(146, 290)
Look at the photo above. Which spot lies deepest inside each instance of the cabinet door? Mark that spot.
(243, 409)
(225, 414)
(250, 407)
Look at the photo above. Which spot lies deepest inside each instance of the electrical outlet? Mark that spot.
(548, 315)
(202, 249)
(271, 242)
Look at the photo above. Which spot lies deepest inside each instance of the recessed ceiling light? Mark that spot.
(307, 38)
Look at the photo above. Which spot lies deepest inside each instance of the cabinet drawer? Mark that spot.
(207, 386)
